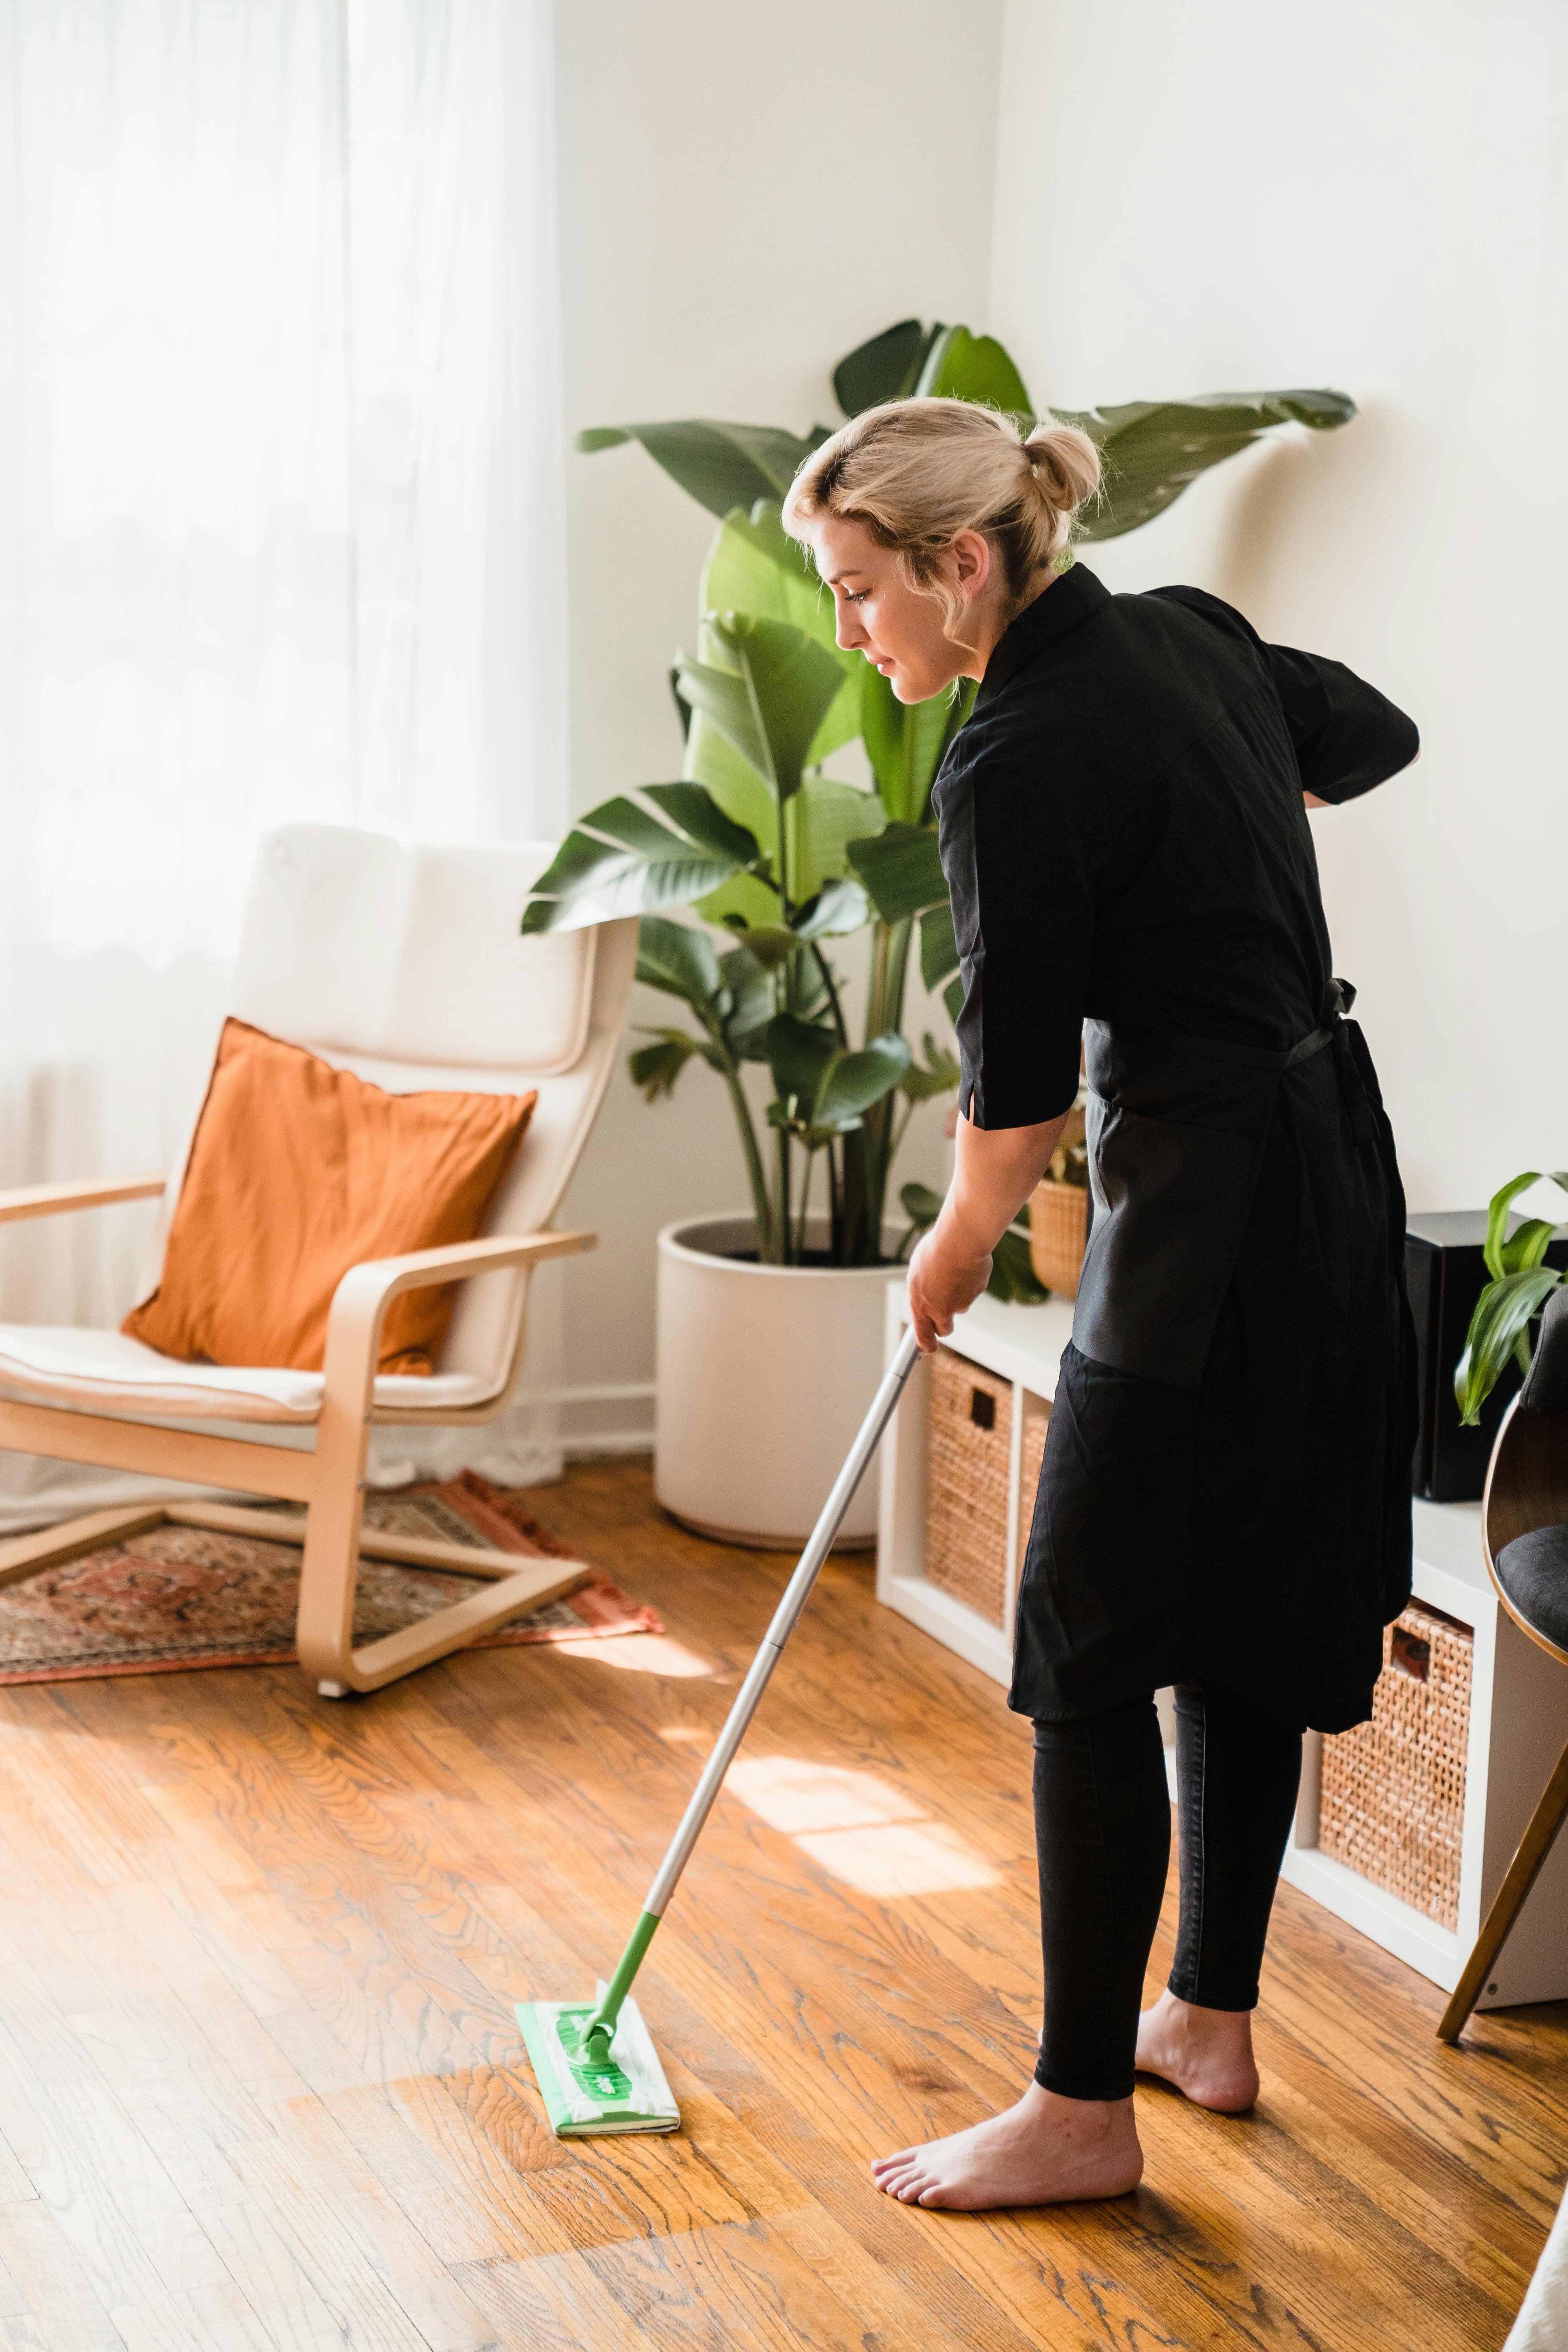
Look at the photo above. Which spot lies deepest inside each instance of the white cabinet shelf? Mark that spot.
(1518, 1697)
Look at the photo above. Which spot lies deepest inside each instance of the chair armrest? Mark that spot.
(361, 1297)
(97, 1193)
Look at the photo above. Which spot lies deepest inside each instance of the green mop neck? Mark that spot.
(599, 2031)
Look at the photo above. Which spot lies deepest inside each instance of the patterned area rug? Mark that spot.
(178, 1597)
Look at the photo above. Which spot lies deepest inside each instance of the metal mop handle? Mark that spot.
(601, 2026)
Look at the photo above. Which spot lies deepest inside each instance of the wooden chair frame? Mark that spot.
(1527, 1487)
(329, 1481)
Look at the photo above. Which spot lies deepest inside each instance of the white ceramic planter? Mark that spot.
(764, 1374)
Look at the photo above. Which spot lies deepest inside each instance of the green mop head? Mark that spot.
(625, 2094)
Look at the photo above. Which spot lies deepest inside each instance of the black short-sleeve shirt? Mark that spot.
(1122, 831)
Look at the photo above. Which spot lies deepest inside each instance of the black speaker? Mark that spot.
(1446, 1272)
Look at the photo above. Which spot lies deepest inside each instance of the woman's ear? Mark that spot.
(973, 557)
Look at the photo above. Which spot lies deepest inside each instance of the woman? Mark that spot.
(1225, 1503)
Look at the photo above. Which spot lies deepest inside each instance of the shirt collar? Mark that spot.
(1059, 608)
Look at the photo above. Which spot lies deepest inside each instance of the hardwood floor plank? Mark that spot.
(63, 2313)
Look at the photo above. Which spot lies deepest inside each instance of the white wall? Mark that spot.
(1236, 193)
(745, 194)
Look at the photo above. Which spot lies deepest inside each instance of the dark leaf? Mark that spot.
(1012, 1276)
(838, 907)
(961, 366)
(939, 1075)
(1153, 449)
(901, 868)
(622, 860)
(852, 1082)
(798, 1054)
(722, 466)
(921, 1205)
(654, 1068)
(952, 997)
(678, 959)
(886, 368)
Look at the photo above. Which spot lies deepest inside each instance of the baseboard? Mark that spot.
(595, 1420)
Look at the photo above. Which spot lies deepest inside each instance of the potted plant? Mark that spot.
(771, 1320)
(1521, 1282)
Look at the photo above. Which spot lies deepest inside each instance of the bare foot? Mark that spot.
(1046, 2150)
(1205, 2052)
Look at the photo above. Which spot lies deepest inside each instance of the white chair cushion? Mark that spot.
(104, 1371)
(354, 941)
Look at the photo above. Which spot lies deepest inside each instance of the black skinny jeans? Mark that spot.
(1103, 1825)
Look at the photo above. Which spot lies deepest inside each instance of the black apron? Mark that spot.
(1242, 1299)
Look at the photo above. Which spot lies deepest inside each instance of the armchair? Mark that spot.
(402, 963)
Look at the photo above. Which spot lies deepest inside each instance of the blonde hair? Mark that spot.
(917, 472)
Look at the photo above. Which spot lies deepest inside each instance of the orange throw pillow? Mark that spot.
(299, 1171)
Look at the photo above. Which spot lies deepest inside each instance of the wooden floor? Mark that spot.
(260, 2082)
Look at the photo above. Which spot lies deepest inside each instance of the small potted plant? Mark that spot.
(1521, 1282)
(1058, 1208)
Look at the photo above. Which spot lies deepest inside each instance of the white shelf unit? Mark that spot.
(1519, 1722)
(1518, 1697)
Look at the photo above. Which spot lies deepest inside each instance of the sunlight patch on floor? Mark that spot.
(792, 1795)
(865, 1832)
(639, 1653)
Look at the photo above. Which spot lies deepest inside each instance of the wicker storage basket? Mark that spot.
(1058, 1227)
(969, 1436)
(1394, 1788)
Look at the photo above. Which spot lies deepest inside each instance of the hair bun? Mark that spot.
(1064, 462)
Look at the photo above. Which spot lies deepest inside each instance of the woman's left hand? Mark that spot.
(944, 1280)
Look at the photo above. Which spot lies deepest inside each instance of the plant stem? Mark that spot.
(762, 1208)
(781, 1256)
(804, 1197)
(826, 968)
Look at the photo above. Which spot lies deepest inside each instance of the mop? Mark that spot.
(594, 2060)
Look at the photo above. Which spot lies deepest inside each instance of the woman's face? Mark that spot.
(891, 624)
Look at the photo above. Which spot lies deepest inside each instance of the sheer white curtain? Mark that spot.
(280, 533)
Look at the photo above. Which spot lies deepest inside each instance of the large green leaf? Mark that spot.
(905, 742)
(921, 1205)
(824, 817)
(753, 567)
(770, 705)
(961, 366)
(1152, 449)
(939, 1075)
(654, 1068)
(752, 1004)
(901, 868)
(678, 959)
(1507, 1253)
(1501, 1319)
(886, 368)
(630, 858)
(852, 1082)
(839, 907)
(722, 466)
(798, 1055)
(1012, 1276)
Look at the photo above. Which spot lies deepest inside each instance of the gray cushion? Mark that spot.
(1546, 1383)
(1534, 1573)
